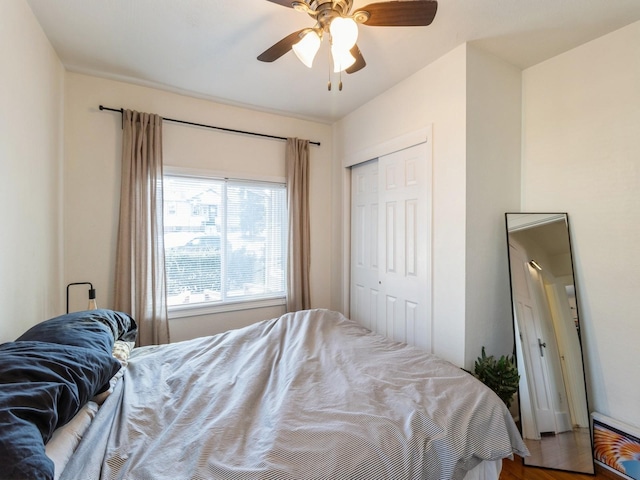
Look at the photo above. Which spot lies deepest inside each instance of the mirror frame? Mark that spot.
(546, 218)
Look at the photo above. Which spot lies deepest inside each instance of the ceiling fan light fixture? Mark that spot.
(342, 59)
(334, 18)
(307, 47)
(344, 33)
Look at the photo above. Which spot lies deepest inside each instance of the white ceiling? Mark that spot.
(208, 48)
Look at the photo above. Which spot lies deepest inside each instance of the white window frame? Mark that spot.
(199, 309)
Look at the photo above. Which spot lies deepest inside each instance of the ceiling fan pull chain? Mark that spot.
(340, 84)
(329, 82)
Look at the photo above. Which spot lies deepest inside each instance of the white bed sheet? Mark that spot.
(485, 470)
(308, 395)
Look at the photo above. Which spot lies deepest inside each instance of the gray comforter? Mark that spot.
(309, 395)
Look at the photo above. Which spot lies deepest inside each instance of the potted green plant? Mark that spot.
(500, 375)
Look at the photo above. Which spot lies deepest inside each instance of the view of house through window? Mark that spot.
(225, 240)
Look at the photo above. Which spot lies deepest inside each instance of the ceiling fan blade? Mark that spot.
(407, 13)
(359, 64)
(284, 3)
(279, 49)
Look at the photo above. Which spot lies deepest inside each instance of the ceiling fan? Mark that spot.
(333, 18)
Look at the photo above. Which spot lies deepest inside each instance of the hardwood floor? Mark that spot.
(565, 451)
(515, 470)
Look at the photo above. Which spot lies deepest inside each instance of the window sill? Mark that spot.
(183, 311)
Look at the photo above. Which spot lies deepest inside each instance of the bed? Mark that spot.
(308, 395)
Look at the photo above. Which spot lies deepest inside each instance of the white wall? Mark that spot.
(433, 96)
(581, 154)
(92, 177)
(475, 170)
(494, 93)
(30, 172)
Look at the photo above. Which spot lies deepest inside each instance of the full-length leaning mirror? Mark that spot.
(554, 413)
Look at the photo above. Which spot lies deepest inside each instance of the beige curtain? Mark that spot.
(140, 288)
(299, 258)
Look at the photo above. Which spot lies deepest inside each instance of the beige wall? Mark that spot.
(30, 172)
(92, 178)
(581, 155)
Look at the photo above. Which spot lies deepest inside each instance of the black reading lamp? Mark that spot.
(92, 295)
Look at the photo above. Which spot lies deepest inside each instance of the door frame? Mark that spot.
(372, 152)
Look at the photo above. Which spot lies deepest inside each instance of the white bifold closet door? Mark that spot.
(391, 245)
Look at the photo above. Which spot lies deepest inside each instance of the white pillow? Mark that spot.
(66, 438)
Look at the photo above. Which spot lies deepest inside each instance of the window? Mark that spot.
(225, 240)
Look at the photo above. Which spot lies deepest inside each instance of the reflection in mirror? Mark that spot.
(553, 414)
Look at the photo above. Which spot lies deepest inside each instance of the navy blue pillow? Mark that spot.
(46, 376)
(84, 329)
(42, 386)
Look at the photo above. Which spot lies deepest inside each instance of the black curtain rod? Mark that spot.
(121, 111)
